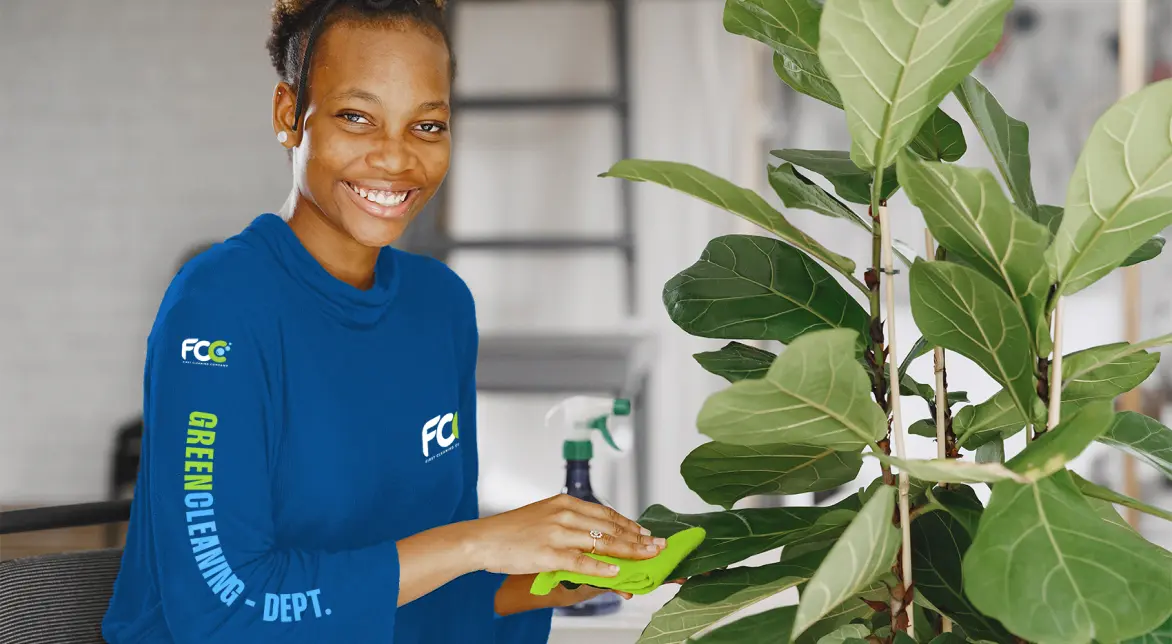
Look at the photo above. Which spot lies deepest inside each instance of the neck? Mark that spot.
(339, 253)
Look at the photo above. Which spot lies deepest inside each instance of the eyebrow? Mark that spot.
(361, 95)
(364, 95)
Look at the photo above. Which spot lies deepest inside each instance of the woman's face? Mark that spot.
(376, 141)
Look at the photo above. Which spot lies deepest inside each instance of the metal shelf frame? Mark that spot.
(431, 236)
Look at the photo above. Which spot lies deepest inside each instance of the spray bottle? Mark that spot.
(582, 415)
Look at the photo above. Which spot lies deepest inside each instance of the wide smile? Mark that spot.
(384, 204)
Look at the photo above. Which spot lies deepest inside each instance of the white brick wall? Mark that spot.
(128, 130)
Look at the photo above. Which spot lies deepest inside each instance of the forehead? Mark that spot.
(388, 58)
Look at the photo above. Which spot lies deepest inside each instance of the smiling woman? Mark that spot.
(328, 515)
(374, 146)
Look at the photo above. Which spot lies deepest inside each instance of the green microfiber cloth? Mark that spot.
(637, 577)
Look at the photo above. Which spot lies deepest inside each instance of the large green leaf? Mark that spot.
(1094, 491)
(1080, 364)
(1049, 568)
(1051, 218)
(791, 29)
(961, 502)
(850, 182)
(750, 629)
(846, 633)
(749, 287)
(1105, 371)
(847, 612)
(1150, 249)
(940, 138)
(1121, 191)
(920, 348)
(991, 452)
(893, 61)
(815, 393)
(1053, 450)
(797, 191)
(703, 601)
(864, 551)
(995, 418)
(951, 470)
(736, 361)
(1143, 437)
(1007, 138)
(722, 193)
(939, 542)
(723, 474)
(961, 310)
(1161, 635)
(969, 215)
(736, 535)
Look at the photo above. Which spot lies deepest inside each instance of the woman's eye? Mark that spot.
(354, 118)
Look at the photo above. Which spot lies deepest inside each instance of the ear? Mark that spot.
(284, 108)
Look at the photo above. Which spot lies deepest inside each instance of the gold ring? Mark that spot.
(595, 535)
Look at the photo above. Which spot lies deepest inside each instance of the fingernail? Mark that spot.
(614, 570)
(651, 548)
(644, 531)
(661, 542)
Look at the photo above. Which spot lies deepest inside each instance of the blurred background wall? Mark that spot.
(131, 130)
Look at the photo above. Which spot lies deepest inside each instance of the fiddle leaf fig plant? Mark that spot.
(918, 558)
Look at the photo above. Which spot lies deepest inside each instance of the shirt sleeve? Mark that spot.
(481, 585)
(211, 440)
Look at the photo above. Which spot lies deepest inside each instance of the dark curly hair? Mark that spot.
(298, 23)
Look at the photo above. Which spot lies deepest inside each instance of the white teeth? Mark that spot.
(386, 199)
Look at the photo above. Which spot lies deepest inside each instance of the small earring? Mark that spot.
(282, 136)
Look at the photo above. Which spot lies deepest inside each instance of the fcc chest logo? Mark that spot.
(212, 353)
(443, 430)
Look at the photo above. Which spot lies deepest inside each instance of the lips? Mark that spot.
(381, 201)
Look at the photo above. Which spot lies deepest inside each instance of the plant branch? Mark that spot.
(856, 283)
(945, 438)
(897, 422)
(930, 506)
(875, 352)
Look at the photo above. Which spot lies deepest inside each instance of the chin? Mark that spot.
(374, 233)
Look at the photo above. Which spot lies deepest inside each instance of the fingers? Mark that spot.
(588, 565)
(582, 515)
(615, 522)
(621, 548)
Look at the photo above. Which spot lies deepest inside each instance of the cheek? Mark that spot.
(436, 159)
(324, 159)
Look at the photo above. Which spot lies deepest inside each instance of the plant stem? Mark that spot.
(945, 439)
(875, 352)
(897, 422)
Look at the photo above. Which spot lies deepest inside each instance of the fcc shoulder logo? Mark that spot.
(211, 353)
(444, 429)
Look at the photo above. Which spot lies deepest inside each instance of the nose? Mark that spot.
(391, 154)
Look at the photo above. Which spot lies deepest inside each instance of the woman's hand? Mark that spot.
(554, 534)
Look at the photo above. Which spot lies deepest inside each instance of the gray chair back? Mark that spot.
(57, 598)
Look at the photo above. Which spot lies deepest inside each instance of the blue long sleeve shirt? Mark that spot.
(296, 427)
